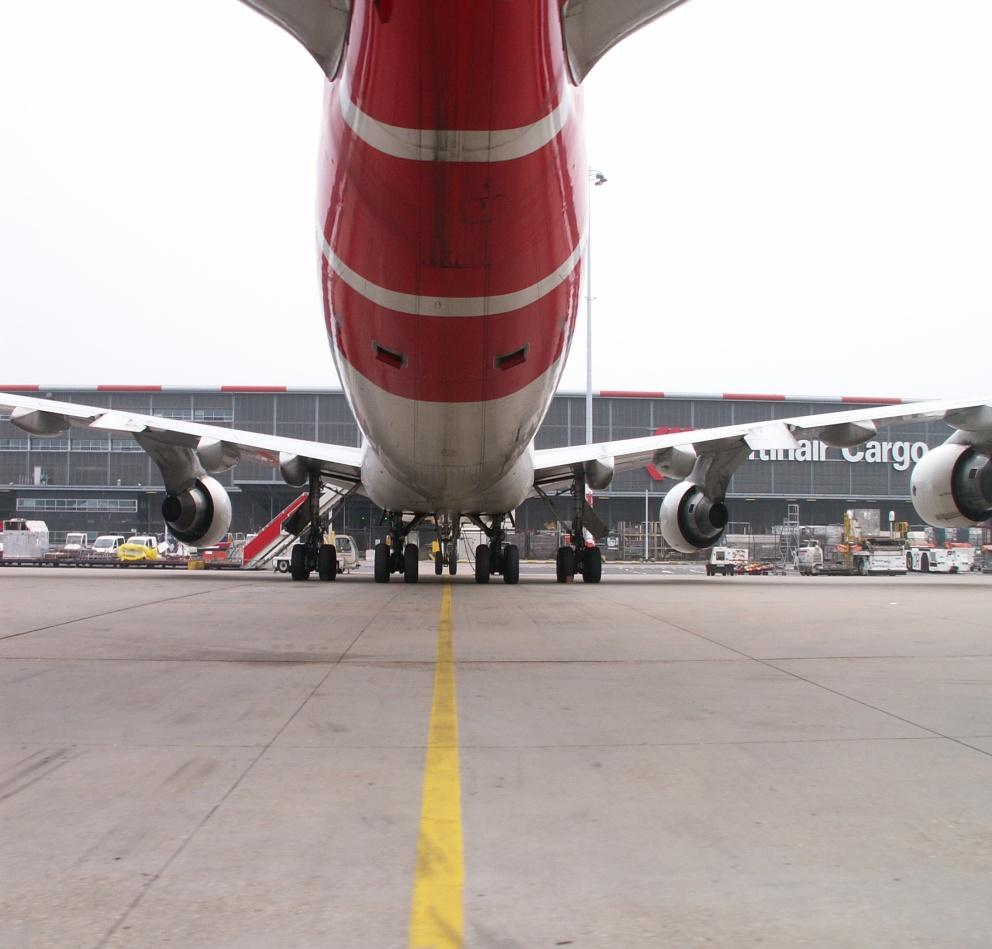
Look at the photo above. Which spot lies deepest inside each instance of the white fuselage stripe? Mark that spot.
(476, 145)
(450, 306)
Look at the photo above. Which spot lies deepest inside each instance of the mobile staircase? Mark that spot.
(788, 539)
(290, 526)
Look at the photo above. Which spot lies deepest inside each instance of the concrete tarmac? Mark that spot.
(235, 760)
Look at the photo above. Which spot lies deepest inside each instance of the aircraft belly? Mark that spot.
(456, 457)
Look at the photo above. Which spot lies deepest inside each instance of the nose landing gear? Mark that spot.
(447, 542)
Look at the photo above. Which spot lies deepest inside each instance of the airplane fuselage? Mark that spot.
(451, 211)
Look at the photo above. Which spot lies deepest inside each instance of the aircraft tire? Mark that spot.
(482, 563)
(925, 564)
(298, 568)
(453, 560)
(411, 563)
(511, 564)
(564, 564)
(381, 568)
(327, 562)
(592, 565)
(438, 563)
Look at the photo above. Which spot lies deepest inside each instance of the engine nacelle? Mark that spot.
(690, 520)
(200, 515)
(952, 486)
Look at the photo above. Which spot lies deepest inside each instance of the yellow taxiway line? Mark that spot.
(436, 917)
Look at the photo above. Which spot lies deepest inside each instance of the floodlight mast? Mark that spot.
(597, 178)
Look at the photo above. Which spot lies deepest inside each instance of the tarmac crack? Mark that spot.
(171, 859)
(122, 609)
(769, 664)
(30, 773)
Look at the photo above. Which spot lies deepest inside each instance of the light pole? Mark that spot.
(596, 178)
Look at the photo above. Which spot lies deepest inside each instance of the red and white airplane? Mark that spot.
(451, 232)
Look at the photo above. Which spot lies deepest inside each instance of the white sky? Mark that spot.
(799, 199)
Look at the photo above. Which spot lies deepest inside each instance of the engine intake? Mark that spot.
(690, 520)
(200, 515)
(952, 486)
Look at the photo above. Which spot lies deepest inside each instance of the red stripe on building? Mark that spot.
(20, 388)
(870, 400)
(471, 49)
(128, 388)
(752, 397)
(629, 394)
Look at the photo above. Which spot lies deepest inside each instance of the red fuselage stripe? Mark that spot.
(452, 268)
(451, 229)
(449, 359)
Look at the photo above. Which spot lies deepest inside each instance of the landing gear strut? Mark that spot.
(397, 556)
(447, 542)
(497, 556)
(313, 553)
(577, 558)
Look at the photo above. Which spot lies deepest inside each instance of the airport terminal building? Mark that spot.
(104, 482)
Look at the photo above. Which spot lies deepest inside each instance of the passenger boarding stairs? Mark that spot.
(290, 526)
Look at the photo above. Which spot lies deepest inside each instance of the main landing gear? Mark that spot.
(577, 558)
(497, 556)
(397, 556)
(313, 553)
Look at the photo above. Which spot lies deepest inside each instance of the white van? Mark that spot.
(105, 546)
(726, 561)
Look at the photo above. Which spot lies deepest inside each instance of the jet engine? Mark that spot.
(690, 520)
(952, 486)
(200, 515)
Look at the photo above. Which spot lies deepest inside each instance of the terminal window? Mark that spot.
(92, 505)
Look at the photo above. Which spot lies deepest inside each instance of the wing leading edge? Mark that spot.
(710, 456)
(216, 448)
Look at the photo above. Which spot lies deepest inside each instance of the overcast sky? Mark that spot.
(799, 199)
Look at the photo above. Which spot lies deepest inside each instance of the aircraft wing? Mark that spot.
(710, 456)
(216, 448)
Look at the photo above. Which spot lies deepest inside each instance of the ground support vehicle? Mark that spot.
(344, 544)
(940, 559)
(809, 560)
(294, 541)
(873, 556)
(881, 556)
(757, 568)
(726, 561)
(23, 540)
